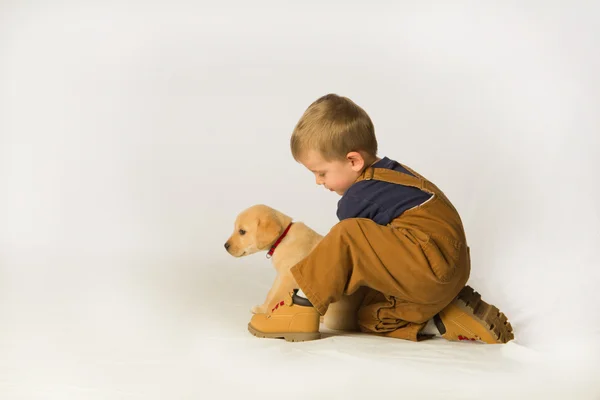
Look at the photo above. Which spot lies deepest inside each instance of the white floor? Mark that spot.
(114, 329)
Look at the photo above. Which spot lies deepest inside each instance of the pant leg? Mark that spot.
(359, 252)
(379, 314)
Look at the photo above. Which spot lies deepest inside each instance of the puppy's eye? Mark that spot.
(242, 232)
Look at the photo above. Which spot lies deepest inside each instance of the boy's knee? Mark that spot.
(351, 228)
(344, 228)
(350, 225)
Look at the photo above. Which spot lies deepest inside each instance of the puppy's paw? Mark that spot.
(258, 309)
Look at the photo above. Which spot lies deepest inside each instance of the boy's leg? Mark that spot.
(358, 252)
(383, 315)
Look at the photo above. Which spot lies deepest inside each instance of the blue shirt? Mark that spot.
(380, 201)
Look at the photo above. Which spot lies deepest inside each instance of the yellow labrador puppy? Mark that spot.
(262, 228)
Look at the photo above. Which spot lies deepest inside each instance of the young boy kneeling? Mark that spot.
(400, 243)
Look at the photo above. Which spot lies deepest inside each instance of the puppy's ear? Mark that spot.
(267, 231)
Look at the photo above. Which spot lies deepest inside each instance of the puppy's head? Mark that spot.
(255, 229)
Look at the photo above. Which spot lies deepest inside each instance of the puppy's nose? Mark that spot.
(227, 245)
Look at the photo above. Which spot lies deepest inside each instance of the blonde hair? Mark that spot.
(334, 126)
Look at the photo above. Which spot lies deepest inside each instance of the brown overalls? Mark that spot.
(410, 269)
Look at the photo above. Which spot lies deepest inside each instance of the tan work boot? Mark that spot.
(468, 318)
(293, 319)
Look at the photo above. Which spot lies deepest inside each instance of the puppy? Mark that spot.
(260, 227)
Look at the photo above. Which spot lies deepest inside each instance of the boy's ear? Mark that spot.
(356, 160)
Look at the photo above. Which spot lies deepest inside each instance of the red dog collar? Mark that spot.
(279, 239)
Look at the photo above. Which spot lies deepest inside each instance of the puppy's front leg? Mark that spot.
(264, 307)
(284, 283)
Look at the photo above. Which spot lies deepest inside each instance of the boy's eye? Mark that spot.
(322, 174)
(242, 232)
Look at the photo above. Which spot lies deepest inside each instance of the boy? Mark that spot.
(400, 243)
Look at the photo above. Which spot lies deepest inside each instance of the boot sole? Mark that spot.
(288, 336)
(486, 314)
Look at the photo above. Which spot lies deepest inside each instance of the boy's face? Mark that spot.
(337, 176)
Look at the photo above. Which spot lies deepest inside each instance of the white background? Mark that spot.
(132, 134)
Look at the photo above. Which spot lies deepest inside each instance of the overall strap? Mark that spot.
(391, 176)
